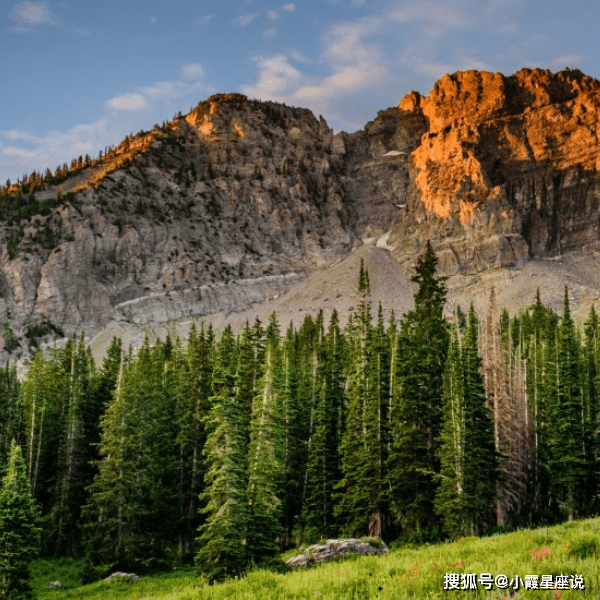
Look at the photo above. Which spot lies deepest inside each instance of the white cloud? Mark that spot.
(290, 7)
(205, 19)
(245, 20)
(15, 134)
(273, 15)
(31, 13)
(355, 66)
(193, 71)
(52, 149)
(22, 151)
(127, 102)
(357, 3)
(358, 63)
(12, 151)
(276, 79)
(270, 33)
(27, 15)
(82, 31)
(299, 57)
(567, 60)
(153, 20)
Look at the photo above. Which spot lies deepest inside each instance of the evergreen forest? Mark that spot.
(227, 449)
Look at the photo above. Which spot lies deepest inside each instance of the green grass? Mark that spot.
(407, 572)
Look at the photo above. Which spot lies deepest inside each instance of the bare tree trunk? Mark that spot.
(508, 404)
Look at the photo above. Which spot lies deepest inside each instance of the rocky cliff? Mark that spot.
(506, 171)
(236, 201)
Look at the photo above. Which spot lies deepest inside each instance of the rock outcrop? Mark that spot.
(506, 170)
(236, 201)
(332, 549)
(121, 577)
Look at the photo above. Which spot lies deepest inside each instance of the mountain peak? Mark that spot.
(240, 199)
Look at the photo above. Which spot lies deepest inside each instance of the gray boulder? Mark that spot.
(323, 553)
(120, 576)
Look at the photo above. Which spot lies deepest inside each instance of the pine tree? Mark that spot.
(222, 537)
(450, 502)
(266, 456)
(133, 508)
(11, 412)
(482, 466)
(363, 278)
(193, 391)
(591, 393)
(568, 427)
(294, 423)
(323, 470)
(470, 466)
(413, 463)
(19, 536)
(79, 434)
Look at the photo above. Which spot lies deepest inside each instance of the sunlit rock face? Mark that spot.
(506, 170)
(234, 202)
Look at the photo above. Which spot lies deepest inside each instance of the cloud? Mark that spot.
(355, 66)
(273, 15)
(153, 20)
(191, 79)
(567, 60)
(82, 31)
(15, 134)
(52, 149)
(245, 20)
(297, 56)
(29, 14)
(428, 40)
(12, 151)
(127, 102)
(23, 151)
(193, 71)
(291, 7)
(270, 33)
(205, 19)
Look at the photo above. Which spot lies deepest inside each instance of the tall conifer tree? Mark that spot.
(413, 463)
(222, 538)
(19, 536)
(568, 427)
(266, 458)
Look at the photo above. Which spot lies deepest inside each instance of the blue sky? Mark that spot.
(78, 76)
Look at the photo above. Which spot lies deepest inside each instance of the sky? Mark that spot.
(76, 77)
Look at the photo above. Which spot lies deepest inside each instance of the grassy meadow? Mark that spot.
(406, 572)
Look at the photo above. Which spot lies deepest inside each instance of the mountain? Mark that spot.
(241, 201)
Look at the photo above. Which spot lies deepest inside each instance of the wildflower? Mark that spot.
(542, 553)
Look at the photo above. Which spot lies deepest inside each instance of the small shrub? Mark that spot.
(11, 342)
(584, 546)
(70, 237)
(12, 244)
(37, 330)
(91, 572)
(376, 542)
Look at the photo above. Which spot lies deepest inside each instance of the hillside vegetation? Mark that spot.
(229, 450)
(407, 572)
